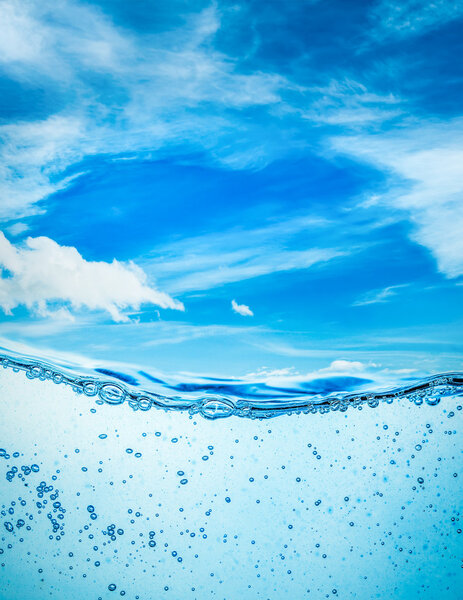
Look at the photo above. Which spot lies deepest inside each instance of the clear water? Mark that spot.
(351, 492)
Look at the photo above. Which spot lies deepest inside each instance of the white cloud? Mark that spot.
(266, 373)
(343, 366)
(336, 367)
(241, 309)
(20, 41)
(42, 274)
(379, 296)
(425, 163)
(33, 157)
(17, 228)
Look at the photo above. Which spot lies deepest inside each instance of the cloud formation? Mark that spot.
(114, 92)
(110, 90)
(48, 278)
(241, 309)
(424, 163)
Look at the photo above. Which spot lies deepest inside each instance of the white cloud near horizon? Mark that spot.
(241, 309)
(42, 274)
(336, 367)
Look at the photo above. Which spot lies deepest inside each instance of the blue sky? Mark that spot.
(226, 187)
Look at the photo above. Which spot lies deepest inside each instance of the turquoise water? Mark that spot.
(103, 498)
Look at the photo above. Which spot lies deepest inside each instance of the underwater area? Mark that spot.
(102, 498)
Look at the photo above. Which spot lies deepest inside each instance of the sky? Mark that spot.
(227, 188)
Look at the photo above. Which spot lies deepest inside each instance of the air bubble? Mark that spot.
(90, 388)
(217, 408)
(112, 394)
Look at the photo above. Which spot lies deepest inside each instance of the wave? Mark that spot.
(215, 398)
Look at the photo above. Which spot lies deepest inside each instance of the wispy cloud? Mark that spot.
(50, 279)
(207, 261)
(349, 103)
(379, 296)
(118, 93)
(17, 228)
(173, 333)
(425, 164)
(413, 17)
(421, 348)
(241, 309)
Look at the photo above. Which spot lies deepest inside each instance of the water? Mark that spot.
(120, 483)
